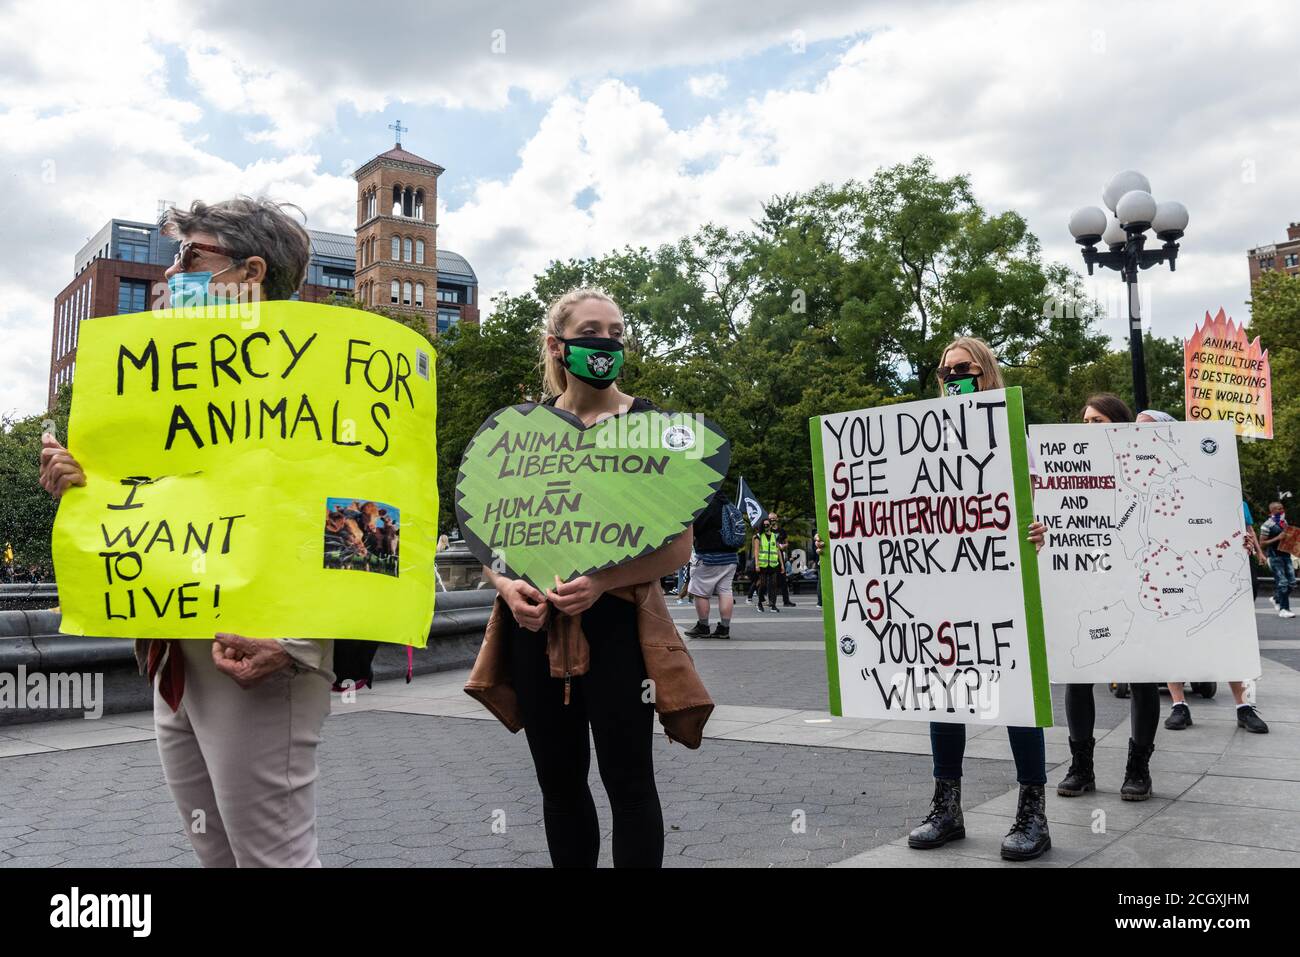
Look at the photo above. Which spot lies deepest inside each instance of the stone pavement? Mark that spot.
(416, 775)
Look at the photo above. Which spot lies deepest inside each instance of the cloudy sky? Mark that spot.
(570, 128)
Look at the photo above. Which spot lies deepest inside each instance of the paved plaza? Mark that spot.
(421, 775)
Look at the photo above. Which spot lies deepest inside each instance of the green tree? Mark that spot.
(1272, 466)
(26, 510)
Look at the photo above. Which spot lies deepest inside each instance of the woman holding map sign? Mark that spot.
(1080, 708)
(968, 365)
(246, 794)
(614, 699)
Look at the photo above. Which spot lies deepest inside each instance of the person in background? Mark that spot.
(1180, 715)
(767, 560)
(1279, 561)
(968, 365)
(817, 550)
(684, 581)
(782, 569)
(712, 571)
(238, 719)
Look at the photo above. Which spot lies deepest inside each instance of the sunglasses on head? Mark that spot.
(185, 255)
(958, 368)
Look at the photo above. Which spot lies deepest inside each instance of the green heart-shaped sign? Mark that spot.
(540, 495)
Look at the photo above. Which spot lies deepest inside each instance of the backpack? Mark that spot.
(733, 526)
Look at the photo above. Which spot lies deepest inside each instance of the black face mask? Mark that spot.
(593, 359)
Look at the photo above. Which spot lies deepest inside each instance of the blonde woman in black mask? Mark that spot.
(582, 353)
(968, 365)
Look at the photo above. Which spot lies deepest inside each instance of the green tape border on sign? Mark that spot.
(824, 572)
(1028, 558)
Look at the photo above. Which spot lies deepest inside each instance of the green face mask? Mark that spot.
(960, 384)
(594, 360)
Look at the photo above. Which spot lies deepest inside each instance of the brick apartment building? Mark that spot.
(1276, 257)
(392, 261)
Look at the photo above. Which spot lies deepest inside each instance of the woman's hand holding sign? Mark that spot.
(59, 470)
(247, 661)
(1037, 533)
(576, 596)
(525, 602)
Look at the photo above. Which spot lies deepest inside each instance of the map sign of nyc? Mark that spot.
(539, 495)
(1160, 493)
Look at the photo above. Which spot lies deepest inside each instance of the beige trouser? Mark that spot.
(241, 764)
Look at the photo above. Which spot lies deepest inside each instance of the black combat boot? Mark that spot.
(699, 630)
(944, 823)
(1028, 837)
(1137, 776)
(1080, 777)
(722, 631)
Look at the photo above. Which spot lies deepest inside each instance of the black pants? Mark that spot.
(784, 579)
(1144, 712)
(767, 585)
(612, 700)
(948, 748)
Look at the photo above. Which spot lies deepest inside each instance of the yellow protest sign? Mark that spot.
(271, 473)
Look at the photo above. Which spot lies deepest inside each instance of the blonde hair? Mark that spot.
(557, 317)
(990, 370)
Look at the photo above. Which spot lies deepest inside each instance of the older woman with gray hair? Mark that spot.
(238, 720)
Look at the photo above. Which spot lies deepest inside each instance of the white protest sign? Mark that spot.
(1144, 572)
(930, 588)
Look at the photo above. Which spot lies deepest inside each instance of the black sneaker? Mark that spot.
(789, 604)
(1249, 719)
(776, 608)
(760, 607)
(699, 630)
(722, 631)
(1179, 718)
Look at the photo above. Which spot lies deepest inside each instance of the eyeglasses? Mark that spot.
(958, 368)
(185, 255)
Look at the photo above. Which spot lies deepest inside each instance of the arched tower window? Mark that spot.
(406, 250)
(419, 294)
(406, 294)
(408, 202)
(419, 204)
(397, 249)
(419, 251)
(397, 201)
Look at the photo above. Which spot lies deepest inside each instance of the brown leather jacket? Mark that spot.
(680, 698)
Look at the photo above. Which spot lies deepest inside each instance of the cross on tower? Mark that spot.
(399, 129)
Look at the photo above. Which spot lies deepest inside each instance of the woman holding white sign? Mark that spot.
(1080, 708)
(968, 365)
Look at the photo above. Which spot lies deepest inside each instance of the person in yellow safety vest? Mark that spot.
(767, 560)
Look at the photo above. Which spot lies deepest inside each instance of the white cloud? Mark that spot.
(710, 86)
(1023, 97)
(1038, 102)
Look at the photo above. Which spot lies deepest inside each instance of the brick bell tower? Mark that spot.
(397, 261)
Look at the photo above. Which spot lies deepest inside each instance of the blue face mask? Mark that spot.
(191, 289)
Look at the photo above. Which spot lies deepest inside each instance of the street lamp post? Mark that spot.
(1128, 197)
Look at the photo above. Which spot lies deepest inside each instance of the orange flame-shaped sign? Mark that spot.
(1228, 378)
